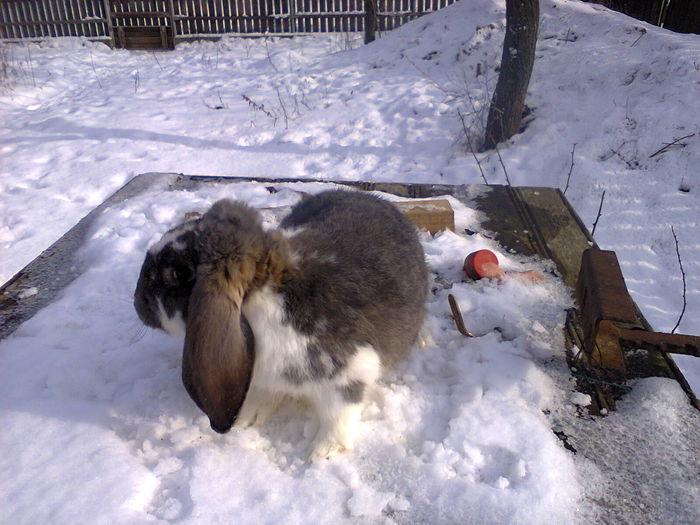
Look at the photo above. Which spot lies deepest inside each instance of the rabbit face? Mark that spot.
(166, 280)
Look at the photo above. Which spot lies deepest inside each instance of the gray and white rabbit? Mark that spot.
(315, 309)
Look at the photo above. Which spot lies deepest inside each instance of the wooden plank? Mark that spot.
(70, 8)
(558, 229)
(110, 27)
(4, 33)
(141, 15)
(53, 30)
(18, 17)
(121, 40)
(505, 222)
(33, 15)
(138, 37)
(69, 28)
(432, 215)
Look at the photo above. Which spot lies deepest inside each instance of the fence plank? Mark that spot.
(8, 31)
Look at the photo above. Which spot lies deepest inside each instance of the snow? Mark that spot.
(580, 399)
(96, 425)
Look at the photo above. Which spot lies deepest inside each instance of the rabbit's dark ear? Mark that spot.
(217, 361)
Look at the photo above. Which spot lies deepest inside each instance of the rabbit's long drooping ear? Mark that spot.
(217, 360)
(218, 355)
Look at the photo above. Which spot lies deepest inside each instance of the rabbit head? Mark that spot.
(167, 277)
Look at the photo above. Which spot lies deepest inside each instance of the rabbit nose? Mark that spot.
(220, 428)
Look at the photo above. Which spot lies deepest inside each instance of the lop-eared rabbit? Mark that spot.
(315, 309)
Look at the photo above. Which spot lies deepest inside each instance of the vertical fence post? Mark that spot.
(110, 27)
(370, 20)
(173, 28)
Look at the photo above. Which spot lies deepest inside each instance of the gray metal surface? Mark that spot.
(37, 284)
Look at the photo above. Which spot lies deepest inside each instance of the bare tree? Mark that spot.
(508, 102)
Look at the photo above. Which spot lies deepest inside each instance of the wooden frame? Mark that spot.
(524, 220)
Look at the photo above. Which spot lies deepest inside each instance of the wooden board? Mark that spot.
(432, 215)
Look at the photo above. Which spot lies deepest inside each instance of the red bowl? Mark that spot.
(480, 264)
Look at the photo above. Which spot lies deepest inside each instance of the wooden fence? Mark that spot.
(106, 20)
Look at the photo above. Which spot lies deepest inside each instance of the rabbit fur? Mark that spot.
(315, 309)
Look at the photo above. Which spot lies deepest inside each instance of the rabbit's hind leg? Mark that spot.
(340, 402)
(338, 425)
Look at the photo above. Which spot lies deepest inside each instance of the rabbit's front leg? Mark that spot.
(259, 405)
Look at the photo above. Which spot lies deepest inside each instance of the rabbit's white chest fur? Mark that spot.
(337, 399)
(277, 344)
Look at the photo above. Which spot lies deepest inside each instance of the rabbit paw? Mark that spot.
(337, 431)
(257, 408)
(325, 447)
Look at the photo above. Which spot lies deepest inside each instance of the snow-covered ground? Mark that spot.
(96, 425)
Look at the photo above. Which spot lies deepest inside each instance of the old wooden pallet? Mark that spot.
(144, 37)
(524, 220)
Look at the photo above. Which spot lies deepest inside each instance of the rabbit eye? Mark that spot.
(169, 276)
(176, 275)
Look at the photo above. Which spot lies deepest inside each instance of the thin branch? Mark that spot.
(670, 144)
(221, 105)
(31, 65)
(478, 112)
(284, 108)
(500, 159)
(680, 263)
(259, 107)
(447, 92)
(457, 316)
(474, 108)
(269, 56)
(600, 209)
(642, 32)
(92, 62)
(571, 168)
(471, 145)
(154, 56)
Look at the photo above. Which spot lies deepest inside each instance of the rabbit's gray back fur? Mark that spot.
(361, 280)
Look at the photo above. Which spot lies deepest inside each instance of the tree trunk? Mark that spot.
(508, 102)
(683, 16)
(370, 20)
